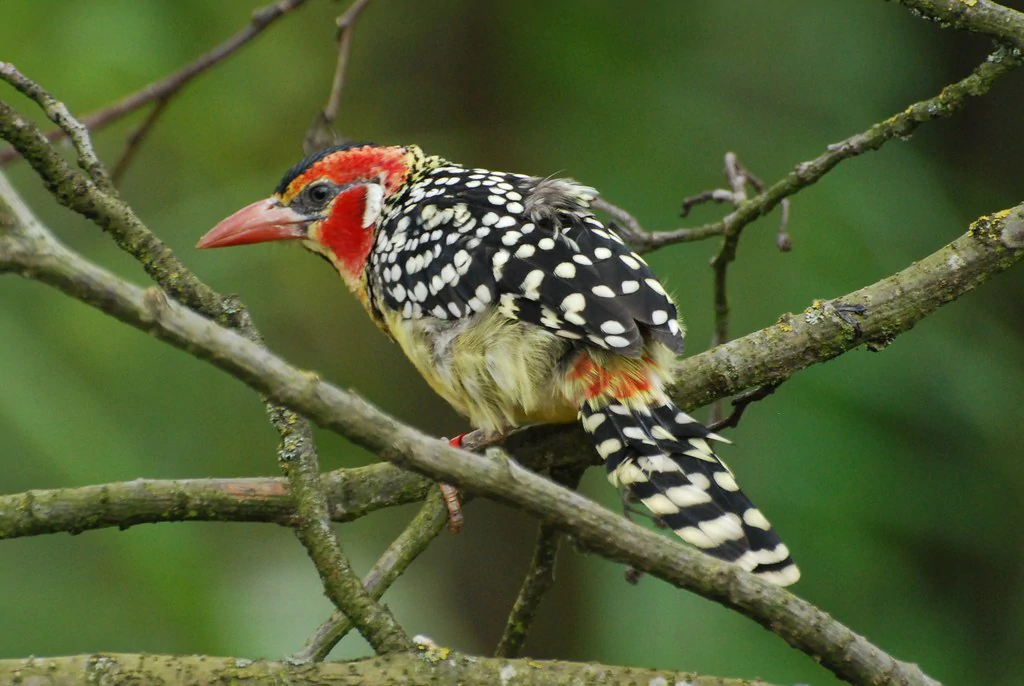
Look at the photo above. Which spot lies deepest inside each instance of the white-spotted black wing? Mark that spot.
(460, 241)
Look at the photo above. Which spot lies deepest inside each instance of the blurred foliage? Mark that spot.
(895, 478)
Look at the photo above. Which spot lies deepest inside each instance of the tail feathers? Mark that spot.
(662, 456)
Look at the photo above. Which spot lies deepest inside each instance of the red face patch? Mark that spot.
(343, 231)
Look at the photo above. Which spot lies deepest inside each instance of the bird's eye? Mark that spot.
(319, 193)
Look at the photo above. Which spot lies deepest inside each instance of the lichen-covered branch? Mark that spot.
(424, 527)
(436, 667)
(980, 16)
(891, 306)
(352, 493)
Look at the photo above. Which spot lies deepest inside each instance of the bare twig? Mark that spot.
(322, 131)
(540, 577)
(950, 100)
(58, 113)
(168, 86)
(135, 139)
(645, 241)
(738, 177)
(717, 195)
(424, 527)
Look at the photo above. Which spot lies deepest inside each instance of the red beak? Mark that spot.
(264, 220)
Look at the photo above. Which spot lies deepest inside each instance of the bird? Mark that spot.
(519, 306)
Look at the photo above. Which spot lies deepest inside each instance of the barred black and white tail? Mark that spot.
(662, 456)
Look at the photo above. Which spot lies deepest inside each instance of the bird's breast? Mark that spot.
(497, 371)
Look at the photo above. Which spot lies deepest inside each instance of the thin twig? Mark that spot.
(738, 177)
(135, 140)
(322, 131)
(58, 113)
(741, 404)
(645, 241)
(169, 85)
(539, 579)
(424, 527)
(950, 100)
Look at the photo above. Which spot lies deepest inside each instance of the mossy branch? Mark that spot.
(979, 16)
(433, 666)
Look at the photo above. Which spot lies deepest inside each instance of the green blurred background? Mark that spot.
(895, 478)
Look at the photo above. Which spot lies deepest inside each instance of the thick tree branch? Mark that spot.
(893, 305)
(434, 667)
(980, 16)
(352, 493)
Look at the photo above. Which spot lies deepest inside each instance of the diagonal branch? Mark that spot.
(949, 101)
(97, 200)
(540, 577)
(980, 16)
(538, 581)
(424, 527)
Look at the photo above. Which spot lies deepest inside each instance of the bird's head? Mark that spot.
(331, 202)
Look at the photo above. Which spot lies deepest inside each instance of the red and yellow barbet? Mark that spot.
(519, 306)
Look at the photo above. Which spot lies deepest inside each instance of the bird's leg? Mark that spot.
(451, 496)
(472, 441)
